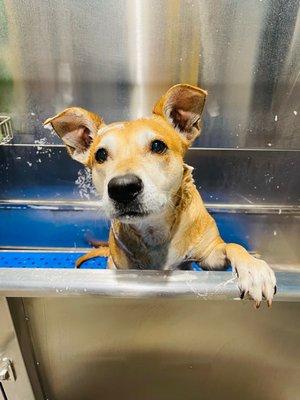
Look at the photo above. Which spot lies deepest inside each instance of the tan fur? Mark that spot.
(179, 230)
(102, 251)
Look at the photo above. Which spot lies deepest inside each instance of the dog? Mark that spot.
(158, 218)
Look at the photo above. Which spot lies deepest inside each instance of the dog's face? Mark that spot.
(136, 166)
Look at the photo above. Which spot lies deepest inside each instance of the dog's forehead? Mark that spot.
(138, 132)
(114, 127)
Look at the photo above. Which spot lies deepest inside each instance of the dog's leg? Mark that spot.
(255, 277)
(100, 252)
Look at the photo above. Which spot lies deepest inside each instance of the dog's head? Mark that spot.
(137, 166)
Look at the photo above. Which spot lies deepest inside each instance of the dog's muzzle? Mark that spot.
(124, 189)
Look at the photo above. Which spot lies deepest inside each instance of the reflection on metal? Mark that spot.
(253, 208)
(145, 329)
(90, 347)
(134, 284)
(222, 176)
(19, 388)
(123, 55)
(77, 205)
(30, 249)
(6, 133)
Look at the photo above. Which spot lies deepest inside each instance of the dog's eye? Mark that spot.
(159, 147)
(101, 155)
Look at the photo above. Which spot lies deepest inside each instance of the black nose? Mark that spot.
(124, 189)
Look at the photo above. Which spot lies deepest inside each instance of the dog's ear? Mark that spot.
(182, 107)
(77, 128)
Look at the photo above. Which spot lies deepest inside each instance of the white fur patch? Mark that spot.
(107, 128)
(143, 138)
(82, 156)
(256, 278)
(109, 142)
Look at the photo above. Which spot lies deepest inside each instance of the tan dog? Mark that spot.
(158, 218)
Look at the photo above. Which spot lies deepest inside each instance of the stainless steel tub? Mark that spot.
(93, 334)
(140, 335)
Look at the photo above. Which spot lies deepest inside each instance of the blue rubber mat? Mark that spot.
(26, 259)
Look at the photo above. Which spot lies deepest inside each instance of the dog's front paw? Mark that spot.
(256, 279)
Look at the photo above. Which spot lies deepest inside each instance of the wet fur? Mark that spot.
(176, 228)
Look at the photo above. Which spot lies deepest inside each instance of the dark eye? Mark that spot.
(159, 147)
(101, 155)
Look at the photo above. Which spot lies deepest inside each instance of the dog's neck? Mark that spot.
(157, 231)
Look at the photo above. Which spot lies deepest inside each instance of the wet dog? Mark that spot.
(158, 217)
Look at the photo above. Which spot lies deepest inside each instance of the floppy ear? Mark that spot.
(182, 107)
(77, 128)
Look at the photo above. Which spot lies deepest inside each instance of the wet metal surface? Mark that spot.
(118, 57)
(222, 176)
(164, 348)
(206, 285)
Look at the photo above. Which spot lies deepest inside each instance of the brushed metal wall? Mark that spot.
(117, 56)
(91, 348)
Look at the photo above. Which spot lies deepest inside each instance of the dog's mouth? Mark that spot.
(133, 210)
(128, 214)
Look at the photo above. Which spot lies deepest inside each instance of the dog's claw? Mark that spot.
(275, 290)
(257, 281)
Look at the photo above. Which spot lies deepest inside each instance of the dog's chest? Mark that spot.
(155, 237)
(160, 257)
(151, 246)
(162, 254)
(155, 247)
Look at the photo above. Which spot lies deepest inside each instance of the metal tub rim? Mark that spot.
(204, 285)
